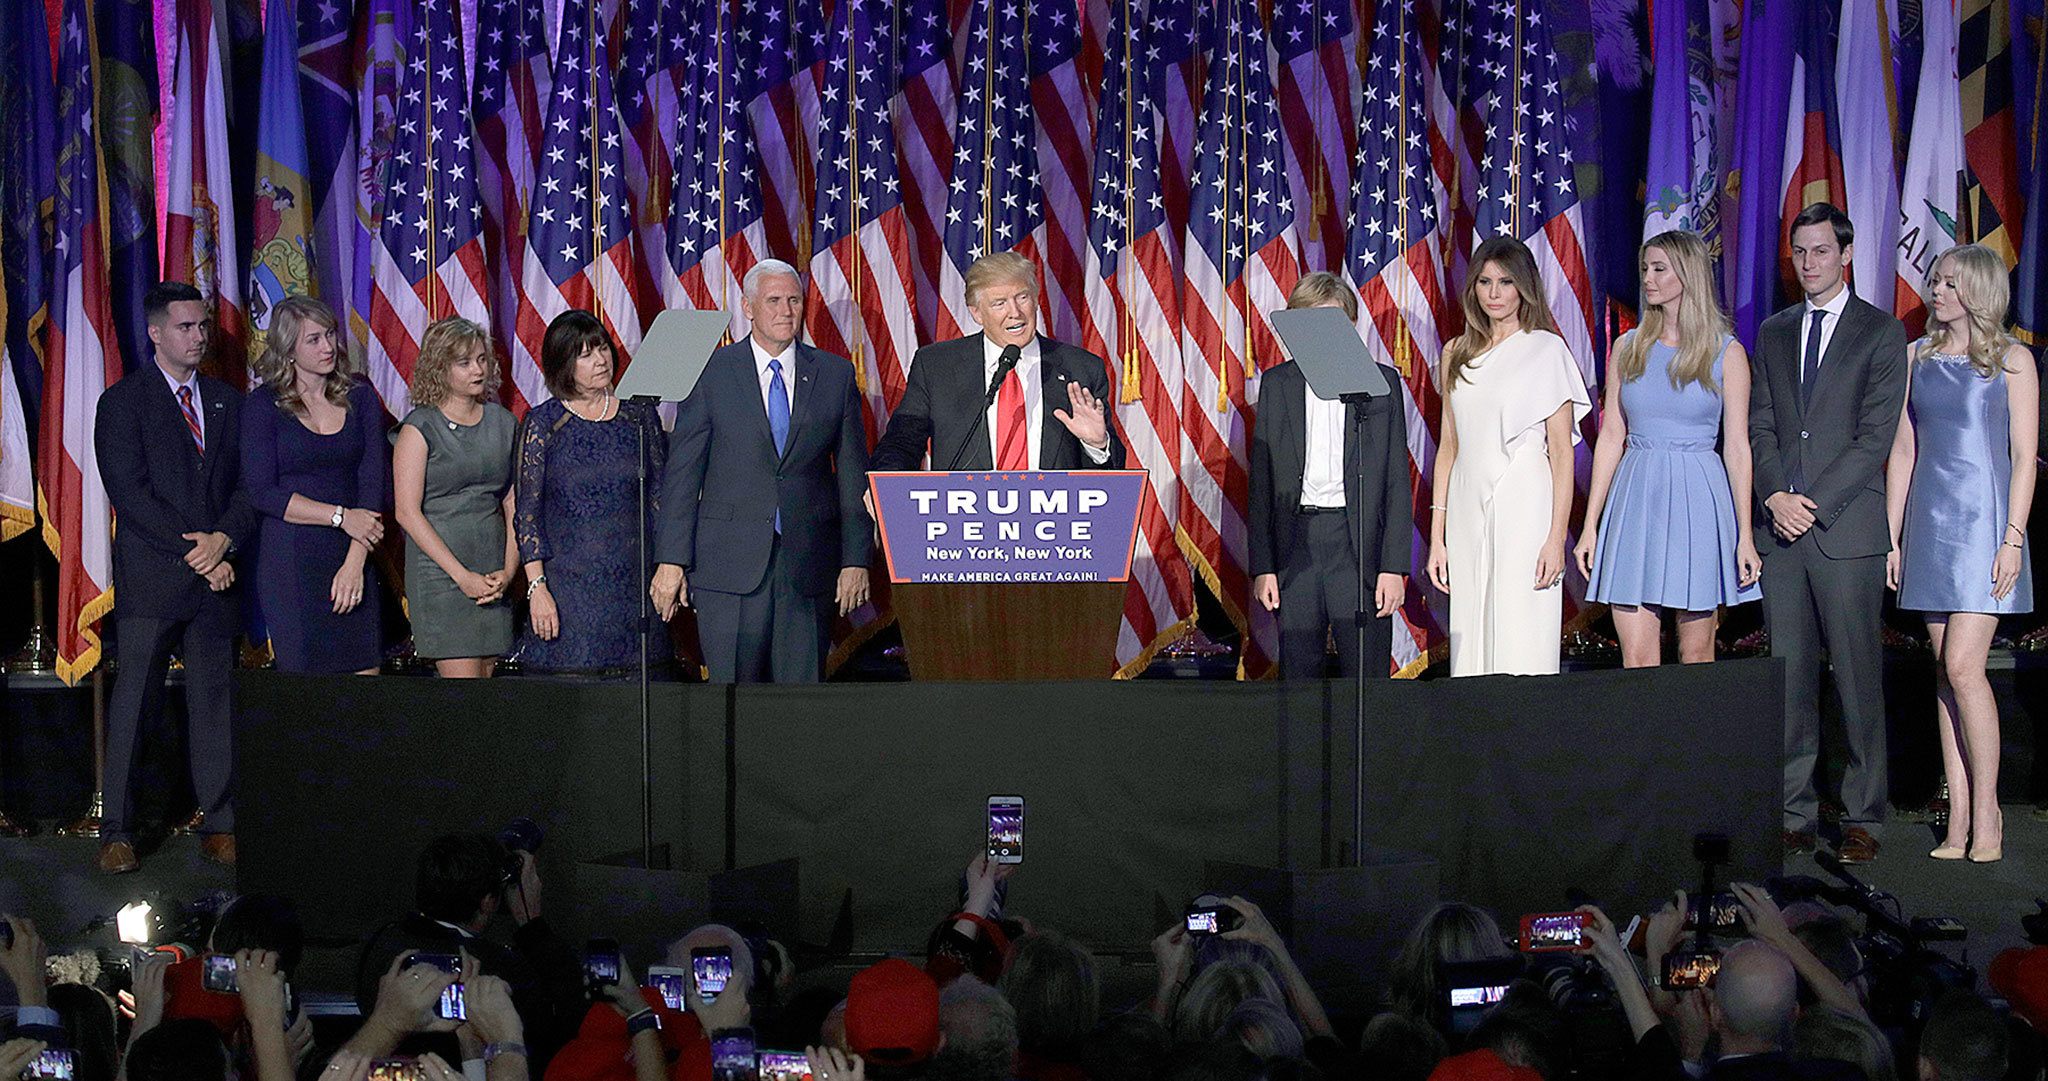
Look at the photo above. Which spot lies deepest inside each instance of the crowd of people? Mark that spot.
(1788, 991)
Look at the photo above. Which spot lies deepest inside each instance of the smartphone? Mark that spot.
(1555, 932)
(451, 1007)
(732, 1055)
(1006, 829)
(218, 974)
(782, 1066)
(1213, 919)
(397, 1069)
(601, 963)
(56, 1065)
(1472, 987)
(1723, 911)
(672, 983)
(1685, 970)
(712, 968)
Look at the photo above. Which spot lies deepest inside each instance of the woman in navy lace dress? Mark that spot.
(577, 511)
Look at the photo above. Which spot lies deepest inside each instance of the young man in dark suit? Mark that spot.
(761, 506)
(1311, 521)
(169, 449)
(1831, 378)
(1049, 413)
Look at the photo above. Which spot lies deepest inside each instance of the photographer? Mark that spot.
(463, 881)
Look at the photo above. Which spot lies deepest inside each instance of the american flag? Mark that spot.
(1318, 88)
(649, 83)
(1132, 316)
(1397, 214)
(199, 214)
(327, 95)
(1175, 33)
(509, 101)
(715, 232)
(1062, 106)
(1525, 184)
(923, 112)
(82, 361)
(992, 201)
(860, 272)
(1242, 259)
(427, 260)
(580, 245)
(780, 42)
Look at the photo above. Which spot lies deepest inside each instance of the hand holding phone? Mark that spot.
(1006, 829)
(1212, 919)
(732, 1055)
(217, 974)
(600, 965)
(782, 1066)
(671, 983)
(1686, 970)
(448, 1006)
(1555, 932)
(52, 1064)
(710, 970)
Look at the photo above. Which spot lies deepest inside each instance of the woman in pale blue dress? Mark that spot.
(1959, 485)
(1667, 524)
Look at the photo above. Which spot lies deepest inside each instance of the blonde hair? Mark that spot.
(1701, 323)
(1322, 287)
(1986, 295)
(445, 344)
(1002, 266)
(275, 368)
(1513, 258)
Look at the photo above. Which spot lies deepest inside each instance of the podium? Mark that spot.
(1014, 575)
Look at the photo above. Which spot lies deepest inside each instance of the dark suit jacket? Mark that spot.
(1843, 436)
(724, 483)
(1382, 516)
(161, 488)
(943, 403)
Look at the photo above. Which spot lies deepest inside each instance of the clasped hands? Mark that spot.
(1791, 514)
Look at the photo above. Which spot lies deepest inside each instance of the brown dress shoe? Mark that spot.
(218, 847)
(1857, 846)
(118, 858)
(1800, 842)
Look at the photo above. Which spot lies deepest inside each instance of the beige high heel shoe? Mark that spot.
(1991, 855)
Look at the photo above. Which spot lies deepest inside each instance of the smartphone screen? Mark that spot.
(671, 983)
(55, 1065)
(219, 974)
(732, 1055)
(601, 962)
(1724, 914)
(712, 968)
(1553, 932)
(783, 1066)
(397, 1069)
(1202, 921)
(1688, 969)
(1006, 829)
(451, 1007)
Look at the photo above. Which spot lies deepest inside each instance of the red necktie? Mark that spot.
(1013, 448)
(192, 418)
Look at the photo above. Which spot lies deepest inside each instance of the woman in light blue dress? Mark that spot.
(1667, 523)
(1959, 485)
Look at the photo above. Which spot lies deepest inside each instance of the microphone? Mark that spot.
(1004, 366)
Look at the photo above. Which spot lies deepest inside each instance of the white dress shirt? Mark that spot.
(766, 377)
(1834, 309)
(1031, 375)
(1322, 474)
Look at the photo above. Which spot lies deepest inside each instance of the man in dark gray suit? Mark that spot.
(761, 505)
(1832, 378)
(1311, 521)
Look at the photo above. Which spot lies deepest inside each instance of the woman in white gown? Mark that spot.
(1512, 401)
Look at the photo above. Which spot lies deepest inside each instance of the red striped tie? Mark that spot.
(192, 418)
(1013, 447)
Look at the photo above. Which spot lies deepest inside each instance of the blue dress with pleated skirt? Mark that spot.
(1667, 535)
(1958, 501)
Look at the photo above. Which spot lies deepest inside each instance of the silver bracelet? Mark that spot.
(538, 581)
(1438, 506)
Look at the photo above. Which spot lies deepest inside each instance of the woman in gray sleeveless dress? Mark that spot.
(452, 475)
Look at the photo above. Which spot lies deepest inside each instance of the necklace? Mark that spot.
(605, 410)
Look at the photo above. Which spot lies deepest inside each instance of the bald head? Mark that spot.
(1756, 995)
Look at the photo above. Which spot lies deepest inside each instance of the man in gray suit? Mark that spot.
(761, 505)
(1822, 412)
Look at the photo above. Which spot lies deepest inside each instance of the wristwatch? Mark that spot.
(643, 1020)
(335, 519)
(492, 1051)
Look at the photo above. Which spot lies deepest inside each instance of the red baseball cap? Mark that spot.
(892, 1013)
(2020, 975)
(1481, 1065)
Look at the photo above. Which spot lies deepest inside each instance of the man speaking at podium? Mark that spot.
(1004, 398)
(761, 497)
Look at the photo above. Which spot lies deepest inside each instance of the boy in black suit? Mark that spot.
(168, 443)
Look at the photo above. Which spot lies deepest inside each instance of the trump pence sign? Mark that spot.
(1019, 526)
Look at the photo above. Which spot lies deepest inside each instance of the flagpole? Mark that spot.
(806, 171)
(718, 75)
(988, 75)
(1400, 156)
(1127, 322)
(433, 218)
(1319, 204)
(1244, 217)
(859, 335)
(1514, 110)
(591, 163)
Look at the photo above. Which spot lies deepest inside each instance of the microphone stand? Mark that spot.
(646, 643)
(1361, 620)
(1003, 368)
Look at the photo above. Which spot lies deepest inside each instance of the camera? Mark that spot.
(732, 1055)
(451, 1007)
(1906, 977)
(218, 974)
(711, 966)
